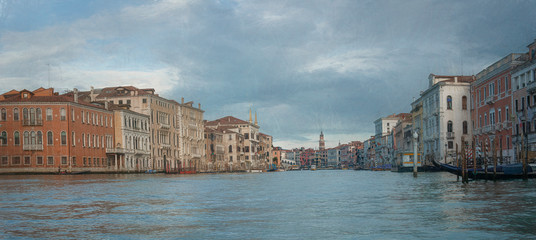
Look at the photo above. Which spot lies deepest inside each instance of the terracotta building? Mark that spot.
(46, 132)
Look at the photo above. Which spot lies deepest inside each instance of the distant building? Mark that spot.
(251, 139)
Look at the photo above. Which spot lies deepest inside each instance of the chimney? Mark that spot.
(91, 96)
(199, 104)
(106, 105)
(75, 91)
(250, 121)
(182, 100)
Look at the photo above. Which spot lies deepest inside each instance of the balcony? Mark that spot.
(531, 88)
(498, 127)
(507, 124)
(164, 125)
(115, 151)
(35, 147)
(450, 135)
(487, 129)
(32, 122)
(490, 99)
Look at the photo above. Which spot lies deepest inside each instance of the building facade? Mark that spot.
(46, 132)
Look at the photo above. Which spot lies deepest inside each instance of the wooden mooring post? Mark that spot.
(494, 159)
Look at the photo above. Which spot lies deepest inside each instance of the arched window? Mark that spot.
(39, 138)
(25, 115)
(33, 137)
(3, 138)
(63, 138)
(464, 103)
(449, 102)
(15, 114)
(50, 138)
(16, 138)
(449, 126)
(38, 114)
(26, 139)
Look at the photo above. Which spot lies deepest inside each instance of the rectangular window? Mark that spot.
(128, 101)
(4, 160)
(74, 161)
(84, 161)
(95, 162)
(39, 160)
(50, 160)
(15, 160)
(144, 100)
(27, 160)
(451, 145)
(63, 114)
(63, 160)
(73, 138)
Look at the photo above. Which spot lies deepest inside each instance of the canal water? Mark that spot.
(327, 204)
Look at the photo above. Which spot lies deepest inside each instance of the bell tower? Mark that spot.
(321, 143)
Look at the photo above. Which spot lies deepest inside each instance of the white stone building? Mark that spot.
(445, 116)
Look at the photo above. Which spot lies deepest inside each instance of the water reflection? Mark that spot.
(289, 205)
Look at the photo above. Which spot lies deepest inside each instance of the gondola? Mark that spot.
(503, 172)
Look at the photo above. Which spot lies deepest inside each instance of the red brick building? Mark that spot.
(491, 107)
(44, 132)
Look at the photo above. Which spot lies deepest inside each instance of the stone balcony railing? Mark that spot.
(34, 147)
(531, 87)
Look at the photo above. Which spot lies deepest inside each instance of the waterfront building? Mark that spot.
(251, 142)
(215, 150)
(44, 132)
(265, 153)
(278, 154)
(131, 145)
(305, 156)
(369, 153)
(191, 127)
(334, 157)
(384, 137)
(293, 156)
(445, 116)
(491, 101)
(524, 102)
(176, 129)
(403, 140)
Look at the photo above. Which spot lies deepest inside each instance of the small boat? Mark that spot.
(313, 167)
(509, 171)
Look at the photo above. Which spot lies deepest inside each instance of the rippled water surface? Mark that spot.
(283, 205)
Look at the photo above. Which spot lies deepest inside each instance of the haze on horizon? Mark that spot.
(304, 67)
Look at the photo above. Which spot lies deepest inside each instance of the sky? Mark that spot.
(302, 66)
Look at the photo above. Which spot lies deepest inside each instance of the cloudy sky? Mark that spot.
(303, 66)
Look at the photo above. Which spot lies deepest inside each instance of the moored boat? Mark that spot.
(509, 171)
